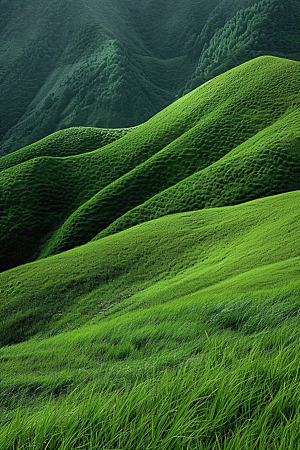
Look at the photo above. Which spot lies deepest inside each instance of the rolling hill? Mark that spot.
(238, 249)
(118, 62)
(149, 284)
(179, 331)
(232, 140)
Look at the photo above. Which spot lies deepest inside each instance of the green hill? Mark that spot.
(117, 63)
(68, 142)
(232, 140)
(182, 331)
(179, 255)
(149, 285)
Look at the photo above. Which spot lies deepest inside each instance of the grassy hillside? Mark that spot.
(229, 141)
(149, 274)
(266, 164)
(68, 142)
(178, 333)
(183, 253)
(116, 63)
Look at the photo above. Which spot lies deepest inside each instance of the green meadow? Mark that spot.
(150, 276)
(181, 332)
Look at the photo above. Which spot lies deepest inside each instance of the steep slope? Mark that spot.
(245, 248)
(267, 27)
(116, 63)
(265, 164)
(232, 140)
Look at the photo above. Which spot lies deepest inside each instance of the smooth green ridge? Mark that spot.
(267, 164)
(68, 142)
(51, 204)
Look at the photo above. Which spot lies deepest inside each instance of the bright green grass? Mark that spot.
(232, 140)
(197, 345)
(174, 256)
(266, 164)
(201, 376)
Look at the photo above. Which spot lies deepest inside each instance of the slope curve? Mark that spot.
(231, 140)
(244, 248)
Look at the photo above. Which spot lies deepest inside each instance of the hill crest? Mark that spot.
(118, 63)
(232, 140)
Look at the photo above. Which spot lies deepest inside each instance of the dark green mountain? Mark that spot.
(115, 63)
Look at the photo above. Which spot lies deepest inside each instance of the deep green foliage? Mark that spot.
(232, 140)
(267, 27)
(118, 62)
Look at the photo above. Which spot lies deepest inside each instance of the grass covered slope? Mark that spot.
(178, 333)
(207, 375)
(232, 140)
(266, 164)
(241, 247)
(68, 142)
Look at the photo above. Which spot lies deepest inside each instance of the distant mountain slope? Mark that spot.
(267, 27)
(116, 63)
(232, 140)
(245, 248)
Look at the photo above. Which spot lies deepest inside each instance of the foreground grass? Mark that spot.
(181, 333)
(219, 374)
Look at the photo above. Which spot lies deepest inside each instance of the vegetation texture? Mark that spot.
(178, 333)
(115, 63)
(230, 141)
(149, 285)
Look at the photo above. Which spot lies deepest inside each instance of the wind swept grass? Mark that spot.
(230, 382)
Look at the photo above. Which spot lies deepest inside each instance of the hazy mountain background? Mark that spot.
(116, 63)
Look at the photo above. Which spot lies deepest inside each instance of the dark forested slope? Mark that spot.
(116, 63)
